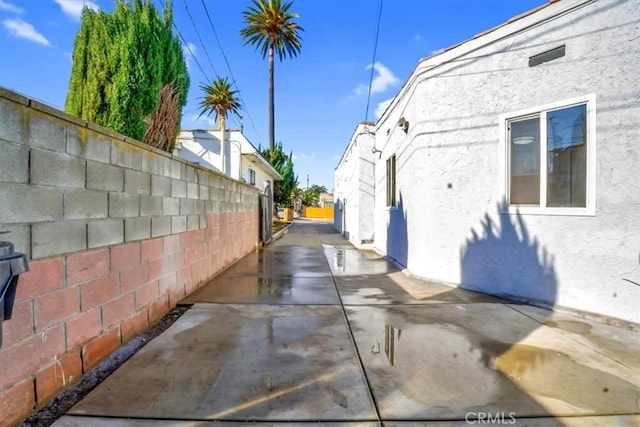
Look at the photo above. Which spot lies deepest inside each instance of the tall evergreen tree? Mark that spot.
(121, 60)
(283, 163)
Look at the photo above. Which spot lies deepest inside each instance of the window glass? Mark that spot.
(391, 181)
(525, 161)
(567, 157)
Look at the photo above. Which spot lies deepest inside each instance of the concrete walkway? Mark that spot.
(311, 330)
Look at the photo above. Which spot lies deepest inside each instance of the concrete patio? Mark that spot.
(310, 330)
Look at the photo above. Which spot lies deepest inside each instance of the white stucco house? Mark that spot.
(510, 163)
(353, 195)
(242, 160)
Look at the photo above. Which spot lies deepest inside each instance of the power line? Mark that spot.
(204, 47)
(373, 62)
(235, 82)
(190, 51)
(186, 45)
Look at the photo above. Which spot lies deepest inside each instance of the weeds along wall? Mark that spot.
(116, 233)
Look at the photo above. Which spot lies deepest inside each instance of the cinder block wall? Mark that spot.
(116, 234)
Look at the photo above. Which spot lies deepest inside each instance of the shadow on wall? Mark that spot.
(397, 237)
(503, 259)
(338, 224)
(339, 217)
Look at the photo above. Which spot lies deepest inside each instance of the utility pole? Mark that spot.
(307, 181)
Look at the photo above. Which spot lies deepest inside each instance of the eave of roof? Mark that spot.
(492, 29)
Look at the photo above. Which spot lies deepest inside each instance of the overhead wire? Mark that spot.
(199, 65)
(204, 47)
(186, 45)
(233, 79)
(373, 62)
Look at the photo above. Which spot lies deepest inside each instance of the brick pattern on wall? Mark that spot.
(117, 233)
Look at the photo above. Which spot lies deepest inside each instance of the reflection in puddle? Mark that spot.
(390, 334)
(447, 366)
(348, 261)
(338, 261)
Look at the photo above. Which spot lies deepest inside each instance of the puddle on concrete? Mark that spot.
(552, 374)
(266, 290)
(624, 348)
(237, 362)
(348, 261)
(444, 359)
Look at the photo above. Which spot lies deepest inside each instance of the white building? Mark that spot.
(242, 161)
(510, 163)
(354, 189)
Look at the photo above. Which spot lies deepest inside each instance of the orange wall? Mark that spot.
(312, 212)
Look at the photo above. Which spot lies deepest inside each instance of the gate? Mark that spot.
(266, 214)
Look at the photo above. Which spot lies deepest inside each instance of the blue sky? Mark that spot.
(320, 96)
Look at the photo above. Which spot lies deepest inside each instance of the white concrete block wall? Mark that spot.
(450, 176)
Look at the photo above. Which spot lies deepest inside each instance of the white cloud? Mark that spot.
(73, 8)
(383, 79)
(189, 51)
(336, 157)
(207, 120)
(435, 52)
(10, 7)
(382, 106)
(417, 38)
(303, 156)
(24, 30)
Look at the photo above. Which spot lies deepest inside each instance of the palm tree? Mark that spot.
(220, 100)
(271, 29)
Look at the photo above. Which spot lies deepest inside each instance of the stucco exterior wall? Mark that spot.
(261, 175)
(204, 147)
(116, 233)
(450, 224)
(354, 189)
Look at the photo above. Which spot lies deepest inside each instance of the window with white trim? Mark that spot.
(391, 181)
(251, 176)
(550, 158)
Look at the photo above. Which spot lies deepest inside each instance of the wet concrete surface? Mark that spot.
(77, 421)
(458, 359)
(311, 330)
(231, 362)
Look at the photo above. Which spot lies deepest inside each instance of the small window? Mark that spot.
(391, 181)
(551, 159)
(251, 177)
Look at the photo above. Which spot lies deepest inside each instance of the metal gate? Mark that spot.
(266, 214)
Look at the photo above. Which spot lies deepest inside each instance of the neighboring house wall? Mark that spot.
(260, 175)
(203, 146)
(451, 223)
(116, 234)
(354, 188)
(325, 200)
